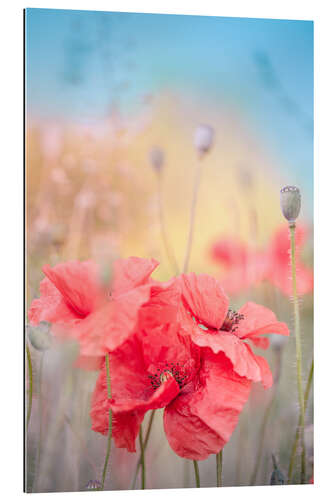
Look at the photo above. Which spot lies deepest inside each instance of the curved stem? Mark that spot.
(219, 460)
(292, 228)
(167, 246)
(192, 216)
(143, 468)
(108, 448)
(196, 472)
(297, 435)
(30, 385)
(145, 442)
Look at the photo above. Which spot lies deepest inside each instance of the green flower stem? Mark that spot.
(143, 468)
(192, 216)
(145, 442)
(108, 448)
(297, 435)
(167, 246)
(292, 228)
(196, 472)
(265, 420)
(30, 385)
(219, 459)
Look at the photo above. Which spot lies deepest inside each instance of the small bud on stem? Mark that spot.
(290, 201)
(40, 336)
(203, 138)
(156, 157)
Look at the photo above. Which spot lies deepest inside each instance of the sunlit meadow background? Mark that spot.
(101, 90)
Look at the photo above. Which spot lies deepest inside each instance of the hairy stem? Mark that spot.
(145, 442)
(192, 216)
(292, 228)
(297, 434)
(108, 448)
(143, 468)
(219, 460)
(196, 472)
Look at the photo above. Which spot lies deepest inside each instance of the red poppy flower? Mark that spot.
(201, 393)
(245, 268)
(78, 305)
(212, 324)
(164, 365)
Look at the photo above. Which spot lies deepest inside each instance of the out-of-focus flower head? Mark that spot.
(79, 305)
(203, 138)
(156, 157)
(244, 267)
(40, 336)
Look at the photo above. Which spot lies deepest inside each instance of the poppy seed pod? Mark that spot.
(156, 157)
(203, 138)
(40, 336)
(290, 201)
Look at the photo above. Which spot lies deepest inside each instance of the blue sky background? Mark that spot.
(79, 63)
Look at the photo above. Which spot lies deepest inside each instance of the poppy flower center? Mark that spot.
(231, 321)
(170, 370)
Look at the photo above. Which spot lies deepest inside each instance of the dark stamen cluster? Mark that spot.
(231, 321)
(170, 370)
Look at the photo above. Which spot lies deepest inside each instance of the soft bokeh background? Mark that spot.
(101, 90)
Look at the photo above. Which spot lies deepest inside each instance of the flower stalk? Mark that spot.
(297, 435)
(265, 419)
(108, 448)
(196, 473)
(168, 249)
(292, 228)
(145, 442)
(219, 460)
(193, 211)
(143, 467)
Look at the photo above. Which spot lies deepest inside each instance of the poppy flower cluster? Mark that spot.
(175, 345)
(245, 268)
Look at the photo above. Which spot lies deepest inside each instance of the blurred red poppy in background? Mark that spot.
(244, 267)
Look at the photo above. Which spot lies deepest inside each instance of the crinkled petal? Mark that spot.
(166, 348)
(51, 307)
(205, 298)
(261, 342)
(111, 324)
(132, 272)
(201, 421)
(259, 320)
(236, 350)
(78, 284)
(125, 427)
(265, 371)
(163, 305)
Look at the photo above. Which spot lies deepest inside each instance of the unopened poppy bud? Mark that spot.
(278, 341)
(290, 201)
(277, 476)
(203, 138)
(40, 336)
(156, 157)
